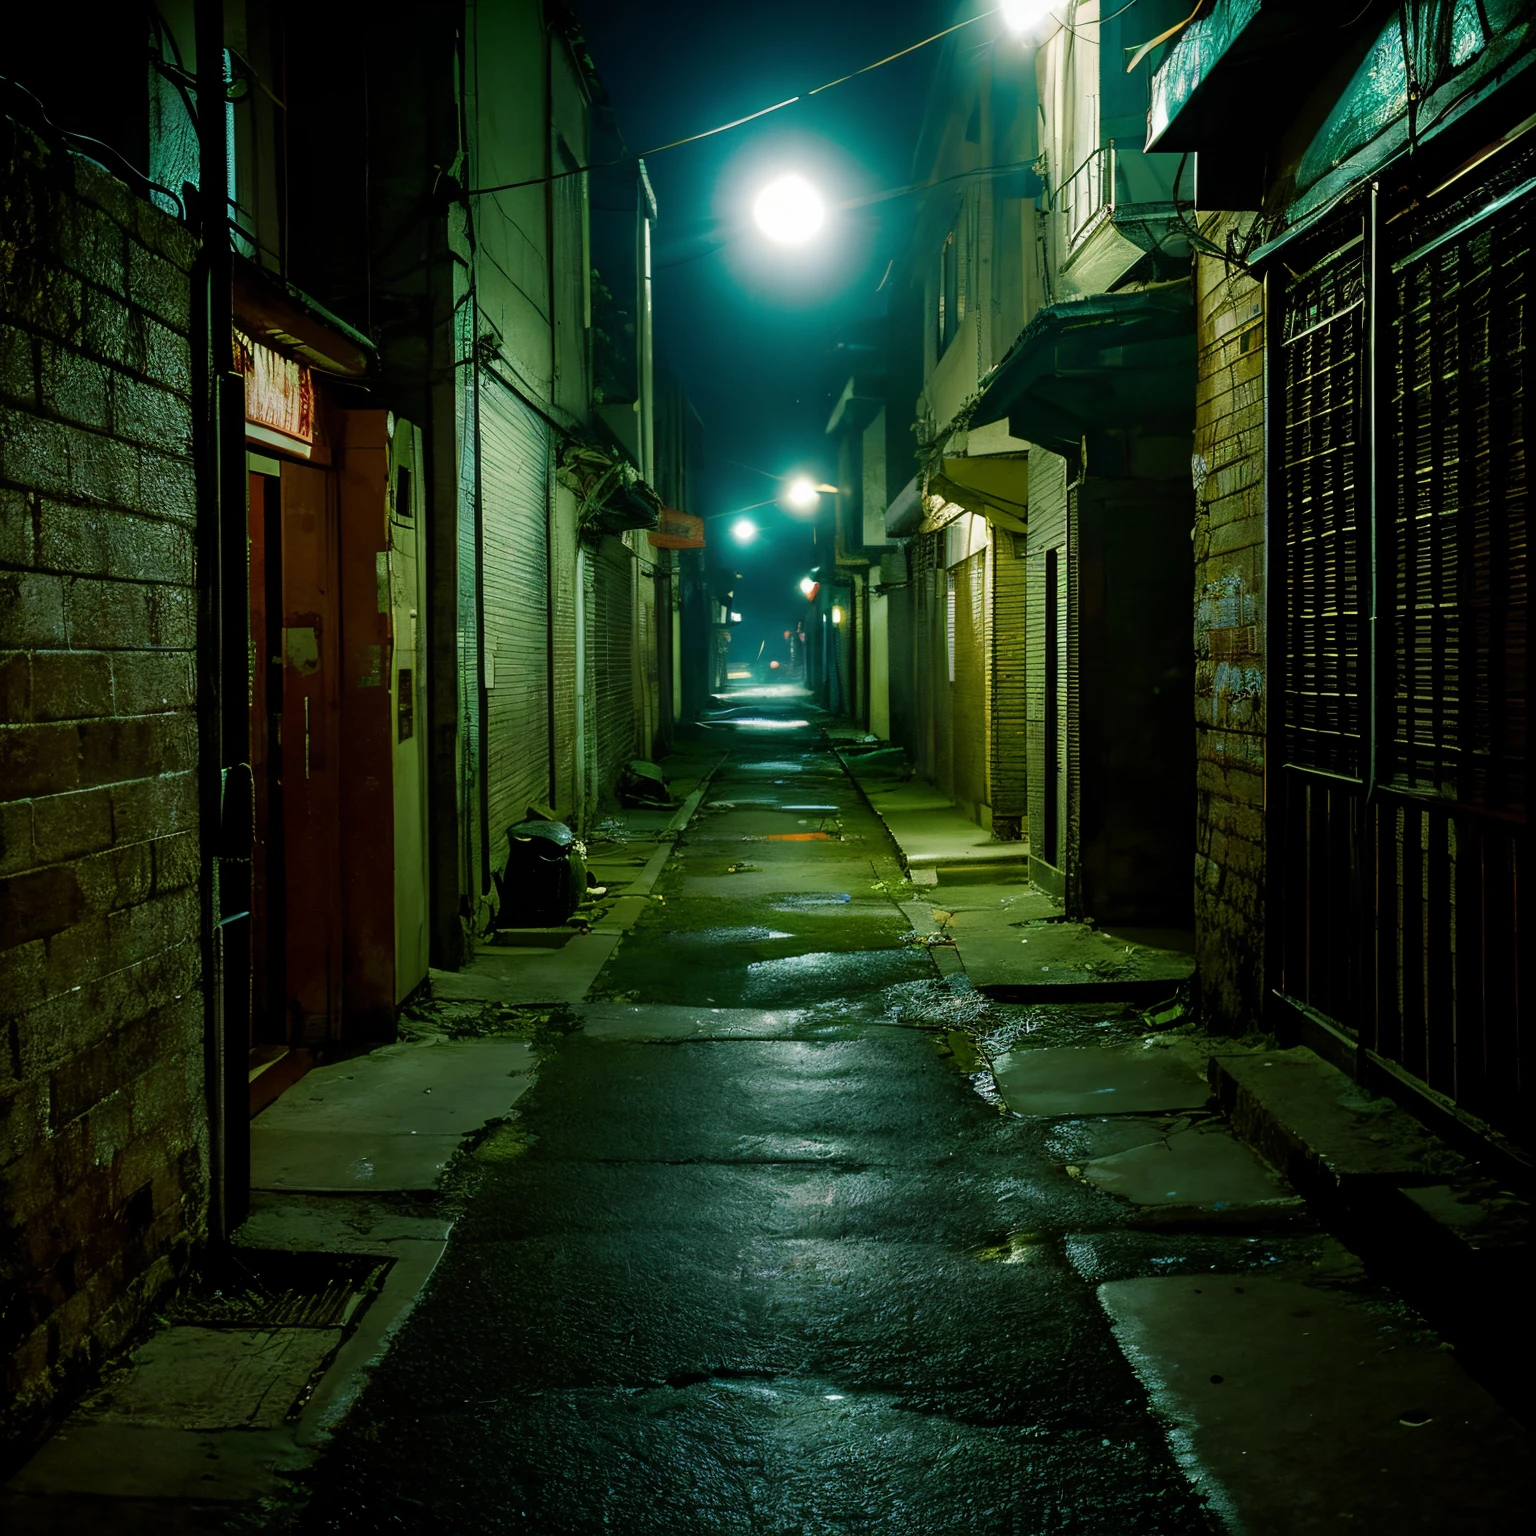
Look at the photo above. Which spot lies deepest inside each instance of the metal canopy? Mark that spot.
(1112, 360)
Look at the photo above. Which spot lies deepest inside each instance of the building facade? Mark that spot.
(330, 553)
(1361, 596)
(1045, 309)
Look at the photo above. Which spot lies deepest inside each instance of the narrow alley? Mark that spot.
(763, 1249)
(764, 768)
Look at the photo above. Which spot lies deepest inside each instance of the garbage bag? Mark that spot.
(545, 876)
(643, 783)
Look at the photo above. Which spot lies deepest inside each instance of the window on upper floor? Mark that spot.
(950, 300)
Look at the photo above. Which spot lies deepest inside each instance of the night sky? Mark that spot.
(752, 328)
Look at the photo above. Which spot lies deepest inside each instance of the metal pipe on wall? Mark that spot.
(224, 781)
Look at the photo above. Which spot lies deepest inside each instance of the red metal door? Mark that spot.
(311, 752)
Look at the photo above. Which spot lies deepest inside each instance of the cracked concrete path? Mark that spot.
(766, 1249)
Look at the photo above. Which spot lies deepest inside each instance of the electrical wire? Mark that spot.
(708, 133)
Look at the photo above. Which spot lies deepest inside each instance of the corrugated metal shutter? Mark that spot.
(1046, 617)
(514, 498)
(610, 654)
(927, 658)
(944, 683)
(970, 736)
(473, 876)
(1010, 701)
(1322, 343)
(1037, 609)
(901, 605)
(1069, 712)
(564, 568)
(650, 669)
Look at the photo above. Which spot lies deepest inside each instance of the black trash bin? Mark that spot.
(545, 877)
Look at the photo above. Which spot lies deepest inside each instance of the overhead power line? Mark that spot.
(709, 133)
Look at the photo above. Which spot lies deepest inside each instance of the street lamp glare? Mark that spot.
(744, 530)
(801, 493)
(807, 585)
(789, 210)
(1021, 15)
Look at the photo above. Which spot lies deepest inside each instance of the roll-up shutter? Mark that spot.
(969, 729)
(927, 658)
(944, 682)
(610, 654)
(900, 584)
(1009, 639)
(1046, 618)
(514, 497)
(649, 707)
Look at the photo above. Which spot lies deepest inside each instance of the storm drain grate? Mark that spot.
(261, 1288)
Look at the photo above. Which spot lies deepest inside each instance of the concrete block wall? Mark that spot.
(103, 1132)
(1230, 676)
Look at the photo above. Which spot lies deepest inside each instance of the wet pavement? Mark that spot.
(764, 1249)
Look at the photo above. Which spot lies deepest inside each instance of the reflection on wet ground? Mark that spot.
(775, 1257)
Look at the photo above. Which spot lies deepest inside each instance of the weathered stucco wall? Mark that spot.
(102, 1107)
(1228, 471)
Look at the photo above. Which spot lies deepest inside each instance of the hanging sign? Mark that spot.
(279, 397)
(678, 530)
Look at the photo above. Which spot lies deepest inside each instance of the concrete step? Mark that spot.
(1430, 1221)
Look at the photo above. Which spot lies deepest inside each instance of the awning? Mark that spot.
(279, 315)
(1106, 361)
(995, 487)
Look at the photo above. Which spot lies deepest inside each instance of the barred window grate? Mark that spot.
(1322, 344)
(1460, 584)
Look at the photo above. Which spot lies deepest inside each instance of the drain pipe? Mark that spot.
(224, 775)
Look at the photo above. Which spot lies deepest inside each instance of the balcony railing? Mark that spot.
(1087, 194)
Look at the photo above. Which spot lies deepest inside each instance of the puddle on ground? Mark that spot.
(793, 903)
(1015, 1248)
(822, 974)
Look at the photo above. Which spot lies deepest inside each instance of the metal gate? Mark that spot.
(611, 657)
(514, 501)
(1403, 743)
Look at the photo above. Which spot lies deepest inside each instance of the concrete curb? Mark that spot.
(1436, 1226)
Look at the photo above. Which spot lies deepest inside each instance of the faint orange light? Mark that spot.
(773, 666)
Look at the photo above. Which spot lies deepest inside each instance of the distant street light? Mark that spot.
(837, 614)
(1021, 15)
(744, 530)
(789, 210)
(802, 493)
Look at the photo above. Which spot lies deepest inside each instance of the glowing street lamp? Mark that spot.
(802, 494)
(789, 210)
(744, 530)
(837, 615)
(1021, 15)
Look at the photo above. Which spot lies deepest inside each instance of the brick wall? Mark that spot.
(102, 1121)
(1229, 642)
